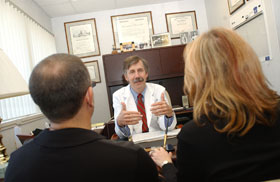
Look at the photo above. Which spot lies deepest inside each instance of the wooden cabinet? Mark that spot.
(166, 66)
(172, 62)
(113, 68)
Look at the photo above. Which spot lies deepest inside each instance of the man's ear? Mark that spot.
(146, 76)
(89, 97)
(125, 76)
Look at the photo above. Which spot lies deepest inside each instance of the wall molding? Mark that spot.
(8, 124)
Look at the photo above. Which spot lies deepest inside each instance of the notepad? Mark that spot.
(177, 108)
(97, 126)
(153, 136)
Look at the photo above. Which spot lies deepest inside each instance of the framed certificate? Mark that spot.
(93, 70)
(81, 38)
(233, 5)
(136, 27)
(180, 22)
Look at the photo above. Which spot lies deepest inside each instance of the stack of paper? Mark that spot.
(97, 126)
(154, 136)
(178, 108)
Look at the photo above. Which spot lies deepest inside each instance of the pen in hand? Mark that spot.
(165, 136)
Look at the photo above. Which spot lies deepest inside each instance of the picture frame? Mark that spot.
(180, 22)
(93, 70)
(185, 37)
(82, 38)
(234, 5)
(127, 46)
(194, 34)
(143, 46)
(134, 27)
(161, 40)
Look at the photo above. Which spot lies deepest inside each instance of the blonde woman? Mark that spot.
(235, 134)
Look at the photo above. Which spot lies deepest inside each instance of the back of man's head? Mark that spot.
(58, 85)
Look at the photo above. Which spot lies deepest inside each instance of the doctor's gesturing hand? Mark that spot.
(162, 108)
(128, 117)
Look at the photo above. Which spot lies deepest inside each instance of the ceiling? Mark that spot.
(58, 8)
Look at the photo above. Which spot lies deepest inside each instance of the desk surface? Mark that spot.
(158, 143)
(109, 129)
(184, 111)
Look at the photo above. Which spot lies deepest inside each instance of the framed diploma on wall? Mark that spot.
(136, 27)
(180, 22)
(81, 38)
(233, 5)
(93, 70)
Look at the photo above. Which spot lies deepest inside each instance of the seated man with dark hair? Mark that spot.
(69, 151)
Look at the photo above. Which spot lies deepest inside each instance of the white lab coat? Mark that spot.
(152, 95)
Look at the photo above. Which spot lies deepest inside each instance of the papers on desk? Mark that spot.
(97, 126)
(153, 136)
(177, 108)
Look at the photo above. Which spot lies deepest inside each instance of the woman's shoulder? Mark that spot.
(193, 126)
(192, 130)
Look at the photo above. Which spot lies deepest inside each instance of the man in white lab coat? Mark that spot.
(140, 106)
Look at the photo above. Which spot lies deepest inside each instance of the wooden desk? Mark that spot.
(178, 113)
(182, 116)
(158, 143)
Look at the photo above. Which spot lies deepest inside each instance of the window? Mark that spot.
(26, 43)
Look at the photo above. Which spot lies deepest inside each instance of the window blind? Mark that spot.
(26, 43)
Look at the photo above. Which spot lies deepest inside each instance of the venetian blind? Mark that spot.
(26, 43)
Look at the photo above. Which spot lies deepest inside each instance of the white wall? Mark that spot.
(218, 15)
(105, 36)
(33, 10)
(276, 10)
(271, 68)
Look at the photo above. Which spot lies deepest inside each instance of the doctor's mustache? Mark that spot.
(139, 79)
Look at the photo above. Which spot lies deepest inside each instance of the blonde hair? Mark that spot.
(223, 78)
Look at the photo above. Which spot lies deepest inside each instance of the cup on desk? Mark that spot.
(185, 101)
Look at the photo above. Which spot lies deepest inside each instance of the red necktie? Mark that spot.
(141, 109)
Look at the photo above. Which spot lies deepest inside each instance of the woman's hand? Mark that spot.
(160, 155)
